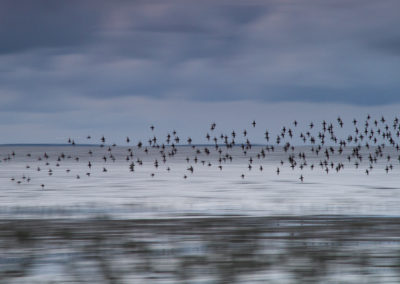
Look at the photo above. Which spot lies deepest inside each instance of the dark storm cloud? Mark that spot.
(54, 53)
(390, 46)
(29, 24)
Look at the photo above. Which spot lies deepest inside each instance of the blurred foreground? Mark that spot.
(321, 249)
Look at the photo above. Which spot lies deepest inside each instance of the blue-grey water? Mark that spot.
(123, 226)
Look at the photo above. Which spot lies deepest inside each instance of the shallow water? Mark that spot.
(208, 191)
(213, 227)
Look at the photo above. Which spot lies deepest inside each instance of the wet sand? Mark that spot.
(302, 249)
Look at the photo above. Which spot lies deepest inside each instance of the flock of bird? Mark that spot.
(371, 141)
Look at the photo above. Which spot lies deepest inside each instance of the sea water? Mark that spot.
(207, 191)
(213, 226)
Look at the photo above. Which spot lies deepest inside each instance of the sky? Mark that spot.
(79, 67)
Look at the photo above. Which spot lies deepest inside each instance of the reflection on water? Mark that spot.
(201, 250)
(120, 193)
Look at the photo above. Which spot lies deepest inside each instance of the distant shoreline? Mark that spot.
(44, 144)
(166, 145)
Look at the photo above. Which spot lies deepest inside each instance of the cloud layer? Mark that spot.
(55, 54)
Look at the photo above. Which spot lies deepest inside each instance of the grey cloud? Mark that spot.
(28, 24)
(389, 46)
(198, 51)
